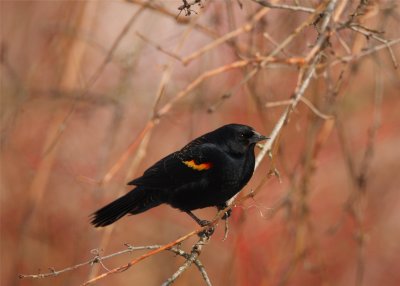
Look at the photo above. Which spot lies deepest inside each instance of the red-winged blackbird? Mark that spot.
(206, 172)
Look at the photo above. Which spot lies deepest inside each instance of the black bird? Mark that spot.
(206, 172)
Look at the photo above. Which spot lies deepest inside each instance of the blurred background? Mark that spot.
(94, 92)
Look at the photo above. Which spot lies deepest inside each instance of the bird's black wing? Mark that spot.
(186, 166)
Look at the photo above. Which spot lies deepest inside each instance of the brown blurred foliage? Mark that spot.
(81, 79)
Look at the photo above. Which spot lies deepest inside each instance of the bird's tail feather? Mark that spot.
(134, 202)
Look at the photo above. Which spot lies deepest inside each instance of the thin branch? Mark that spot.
(315, 110)
(195, 253)
(158, 47)
(245, 28)
(153, 6)
(96, 259)
(187, 6)
(229, 94)
(284, 6)
(146, 255)
(365, 53)
(368, 33)
(99, 259)
(305, 101)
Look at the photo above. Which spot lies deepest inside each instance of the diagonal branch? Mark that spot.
(284, 6)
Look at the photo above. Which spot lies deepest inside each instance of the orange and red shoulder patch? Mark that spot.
(198, 167)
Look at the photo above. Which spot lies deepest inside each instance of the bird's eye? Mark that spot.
(244, 136)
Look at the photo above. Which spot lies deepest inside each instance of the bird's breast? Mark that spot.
(238, 174)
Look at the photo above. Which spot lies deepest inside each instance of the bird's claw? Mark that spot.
(208, 231)
(204, 222)
(227, 214)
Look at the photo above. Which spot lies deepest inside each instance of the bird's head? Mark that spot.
(239, 138)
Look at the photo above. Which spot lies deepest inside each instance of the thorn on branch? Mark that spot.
(274, 172)
(219, 102)
(226, 229)
(186, 7)
(317, 20)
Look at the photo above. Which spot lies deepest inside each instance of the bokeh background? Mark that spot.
(80, 80)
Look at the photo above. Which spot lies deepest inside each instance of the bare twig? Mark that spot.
(147, 255)
(284, 6)
(245, 28)
(350, 58)
(373, 35)
(156, 7)
(99, 259)
(195, 253)
(187, 6)
(305, 101)
(158, 47)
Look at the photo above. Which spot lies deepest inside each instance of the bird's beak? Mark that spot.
(257, 137)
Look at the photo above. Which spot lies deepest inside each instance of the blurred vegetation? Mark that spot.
(93, 92)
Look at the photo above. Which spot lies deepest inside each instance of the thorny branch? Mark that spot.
(308, 65)
(187, 6)
(190, 259)
(284, 6)
(98, 259)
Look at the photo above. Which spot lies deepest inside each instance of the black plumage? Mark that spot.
(206, 172)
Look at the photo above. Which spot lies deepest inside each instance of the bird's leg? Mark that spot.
(227, 213)
(225, 217)
(202, 222)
